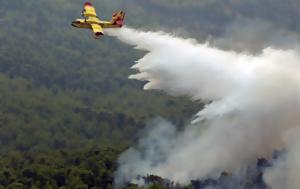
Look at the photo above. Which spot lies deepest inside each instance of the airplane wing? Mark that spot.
(97, 29)
(89, 10)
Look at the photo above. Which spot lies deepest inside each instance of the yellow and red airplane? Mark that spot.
(92, 21)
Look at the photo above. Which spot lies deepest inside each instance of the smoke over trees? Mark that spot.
(63, 95)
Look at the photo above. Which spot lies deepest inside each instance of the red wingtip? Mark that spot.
(98, 35)
(88, 4)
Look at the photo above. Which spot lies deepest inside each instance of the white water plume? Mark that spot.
(253, 101)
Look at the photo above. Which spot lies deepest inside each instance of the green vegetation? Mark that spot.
(60, 169)
(67, 109)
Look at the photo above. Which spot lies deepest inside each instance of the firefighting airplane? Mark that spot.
(92, 21)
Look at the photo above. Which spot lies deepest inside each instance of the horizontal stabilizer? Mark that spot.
(118, 18)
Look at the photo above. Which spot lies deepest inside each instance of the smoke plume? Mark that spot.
(253, 102)
(285, 172)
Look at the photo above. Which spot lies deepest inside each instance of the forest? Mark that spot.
(67, 107)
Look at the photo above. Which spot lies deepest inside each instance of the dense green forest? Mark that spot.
(67, 109)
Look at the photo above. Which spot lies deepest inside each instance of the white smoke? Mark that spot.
(285, 173)
(253, 101)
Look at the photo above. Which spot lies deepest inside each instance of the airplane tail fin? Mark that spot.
(118, 18)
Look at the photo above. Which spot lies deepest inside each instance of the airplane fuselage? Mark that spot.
(81, 23)
(93, 22)
(86, 23)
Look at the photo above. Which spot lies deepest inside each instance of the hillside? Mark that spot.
(64, 94)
